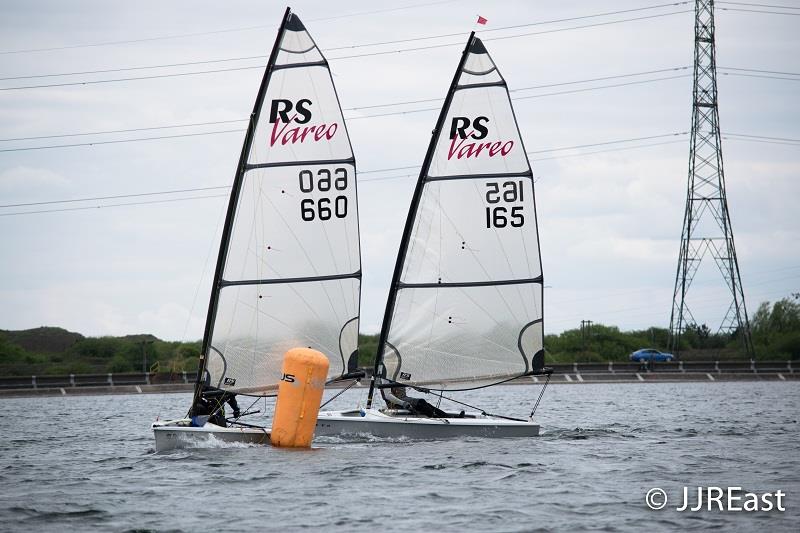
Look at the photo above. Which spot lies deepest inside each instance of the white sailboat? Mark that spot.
(288, 273)
(465, 306)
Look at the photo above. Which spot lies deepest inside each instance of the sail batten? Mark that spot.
(302, 65)
(348, 161)
(492, 283)
(465, 303)
(289, 270)
(500, 175)
(224, 283)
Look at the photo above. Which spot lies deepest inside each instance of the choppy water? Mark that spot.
(87, 463)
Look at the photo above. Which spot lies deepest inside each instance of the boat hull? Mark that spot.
(399, 424)
(178, 434)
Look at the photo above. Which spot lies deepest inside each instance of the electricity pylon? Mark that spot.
(707, 222)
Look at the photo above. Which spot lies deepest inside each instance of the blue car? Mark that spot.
(651, 355)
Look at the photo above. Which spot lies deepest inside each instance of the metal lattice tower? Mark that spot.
(707, 224)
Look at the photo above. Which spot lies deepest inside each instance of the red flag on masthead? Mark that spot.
(482, 20)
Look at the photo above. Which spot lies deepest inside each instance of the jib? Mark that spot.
(282, 108)
(460, 124)
(288, 378)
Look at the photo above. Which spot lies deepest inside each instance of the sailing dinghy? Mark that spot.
(288, 273)
(465, 305)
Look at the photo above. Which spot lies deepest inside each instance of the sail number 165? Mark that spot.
(500, 216)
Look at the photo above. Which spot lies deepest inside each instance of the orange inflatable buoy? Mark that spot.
(300, 391)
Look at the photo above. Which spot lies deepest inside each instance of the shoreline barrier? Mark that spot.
(571, 373)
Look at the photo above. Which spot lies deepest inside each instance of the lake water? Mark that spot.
(87, 463)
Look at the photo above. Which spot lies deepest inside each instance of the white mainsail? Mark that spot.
(289, 268)
(466, 299)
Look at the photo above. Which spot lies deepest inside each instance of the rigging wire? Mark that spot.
(352, 383)
(539, 399)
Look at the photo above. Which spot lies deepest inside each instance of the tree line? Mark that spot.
(775, 331)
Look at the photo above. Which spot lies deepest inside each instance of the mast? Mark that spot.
(232, 202)
(398, 267)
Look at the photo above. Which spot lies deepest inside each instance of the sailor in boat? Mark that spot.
(397, 398)
(210, 405)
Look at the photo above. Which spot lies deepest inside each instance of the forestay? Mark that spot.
(289, 268)
(466, 302)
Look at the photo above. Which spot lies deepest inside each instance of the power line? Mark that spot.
(111, 205)
(133, 195)
(759, 75)
(213, 32)
(559, 84)
(730, 138)
(190, 63)
(72, 145)
(116, 197)
(757, 11)
(618, 149)
(159, 76)
(556, 93)
(119, 141)
(171, 126)
(764, 137)
(762, 71)
(563, 148)
(488, 30)
(618, 141)
(361, 180)
(637, 82)
(391, 104)
(151, 77)
(758, 5)
(514, 36)
(128, 69)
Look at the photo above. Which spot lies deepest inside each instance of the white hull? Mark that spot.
(178, 434)
(403, 424)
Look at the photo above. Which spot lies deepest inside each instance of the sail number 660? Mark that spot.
(324, 208)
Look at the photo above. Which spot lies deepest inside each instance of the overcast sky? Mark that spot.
(610, 221)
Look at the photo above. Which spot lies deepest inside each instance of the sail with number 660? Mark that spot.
(289, 267)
